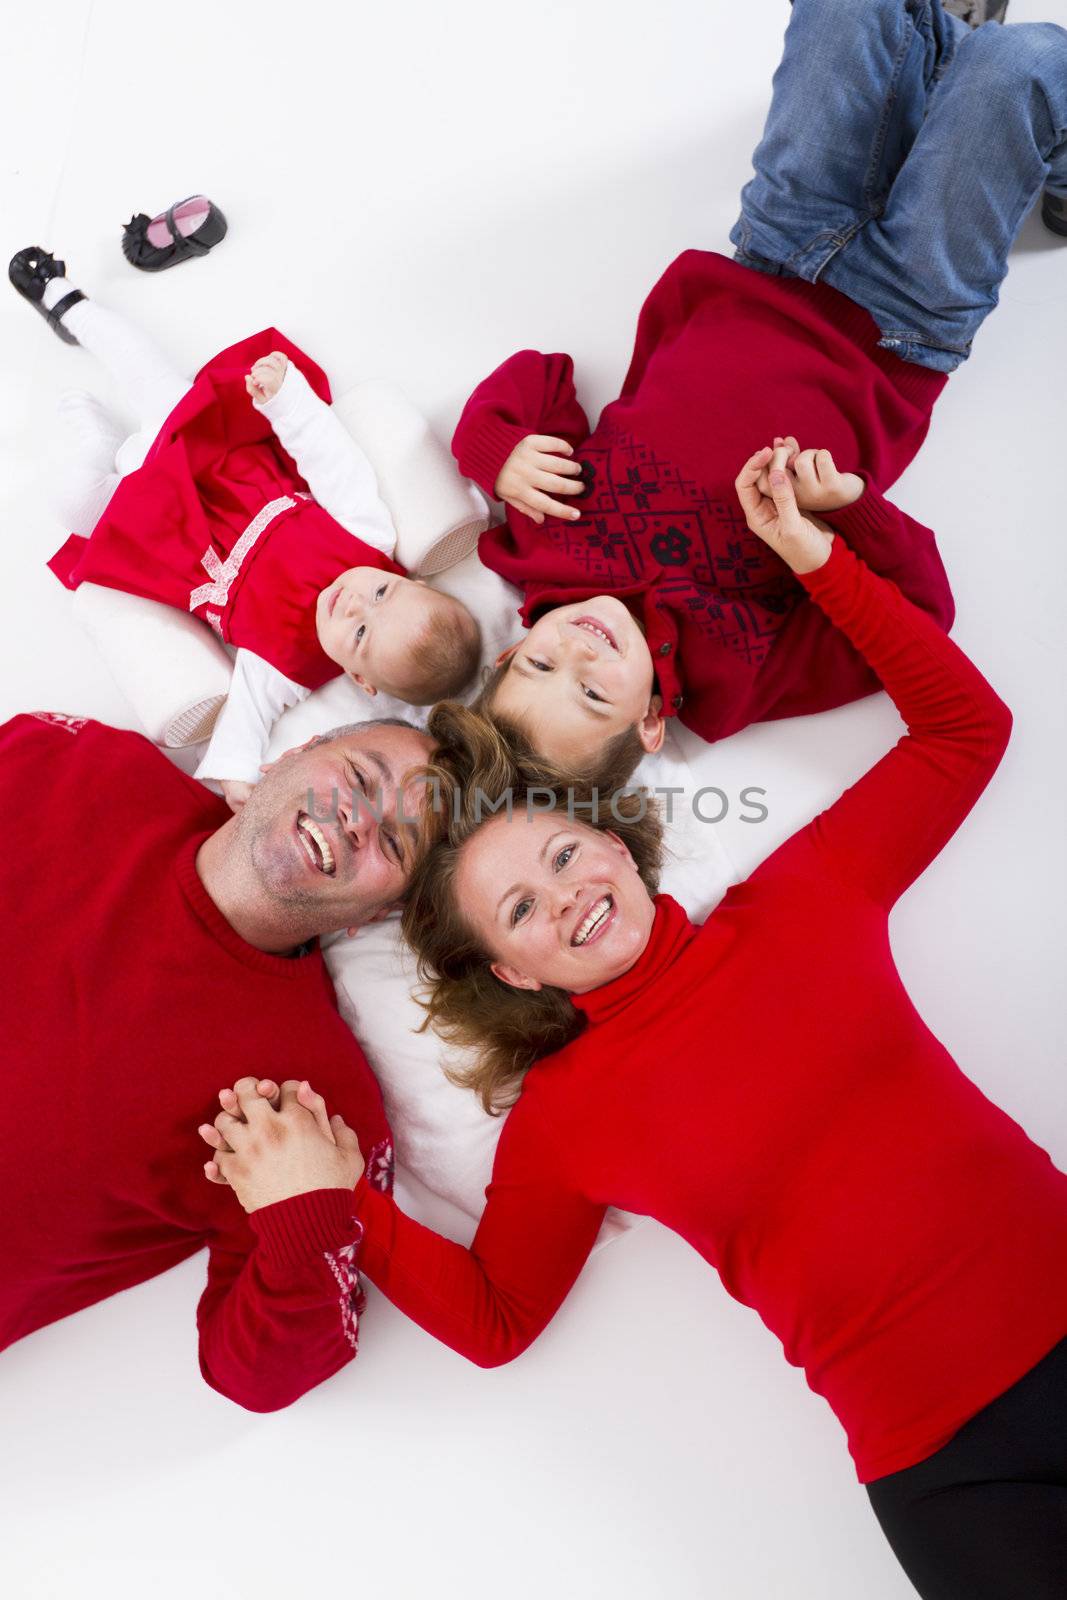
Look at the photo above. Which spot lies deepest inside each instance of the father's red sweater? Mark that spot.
(127, 1000)
(725, 358)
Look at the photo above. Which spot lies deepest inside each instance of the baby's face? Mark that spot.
(582, 675)
(366, 620)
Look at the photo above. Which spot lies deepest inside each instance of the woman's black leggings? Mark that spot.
(985, 1517)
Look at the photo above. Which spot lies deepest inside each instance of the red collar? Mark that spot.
(671, 932)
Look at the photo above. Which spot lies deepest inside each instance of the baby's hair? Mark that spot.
(610, 768)
(443, 657)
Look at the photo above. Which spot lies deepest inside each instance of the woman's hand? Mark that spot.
(803, 542)
(266, 377)
(235, 792)
(535, 470)
(271, 1143)
(817, 483)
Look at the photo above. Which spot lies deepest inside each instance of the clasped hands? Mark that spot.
(273, 1141)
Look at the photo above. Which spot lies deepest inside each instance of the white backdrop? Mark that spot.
(413, 192)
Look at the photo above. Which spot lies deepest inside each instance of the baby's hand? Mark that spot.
(235, 792)
(817, 484)
(265, 378)
(536, 470)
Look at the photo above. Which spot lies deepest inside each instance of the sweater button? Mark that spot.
(664, 650)
(588, 478)
(677, 702)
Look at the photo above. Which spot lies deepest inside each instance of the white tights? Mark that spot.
(149, 383)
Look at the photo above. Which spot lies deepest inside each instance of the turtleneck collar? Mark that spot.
(671, 932)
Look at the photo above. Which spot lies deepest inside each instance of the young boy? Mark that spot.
(899, 158)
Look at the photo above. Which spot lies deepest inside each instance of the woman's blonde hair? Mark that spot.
(467, 1004)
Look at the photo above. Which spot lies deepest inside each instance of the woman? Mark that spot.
(900, 156)
(762, 1085)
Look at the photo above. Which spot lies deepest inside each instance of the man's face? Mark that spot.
(331, 832)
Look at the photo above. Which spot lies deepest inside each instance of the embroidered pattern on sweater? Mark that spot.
(61, 719)
(222, 573)
(381, 1166)
(342, 1263)
(640, 514)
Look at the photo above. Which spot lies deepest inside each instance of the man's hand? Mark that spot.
(803, 542)
(270, 1148)
(535, 470)
(265, 378)
(235, 792)
(816, 481)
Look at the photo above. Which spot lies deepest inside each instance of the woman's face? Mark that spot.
(553, 902)
(582, 675)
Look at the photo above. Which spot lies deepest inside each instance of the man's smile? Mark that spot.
(315, 844)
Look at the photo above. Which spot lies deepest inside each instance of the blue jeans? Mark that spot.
(901, 153)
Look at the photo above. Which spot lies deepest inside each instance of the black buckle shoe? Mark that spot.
(29, 271)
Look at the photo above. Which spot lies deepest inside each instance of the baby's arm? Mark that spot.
(327, 457)
(258, 695)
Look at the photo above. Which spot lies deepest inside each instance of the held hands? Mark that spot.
(816, 481)
(803, 542)
(265, 378)
(536, 470)
(272, 1143)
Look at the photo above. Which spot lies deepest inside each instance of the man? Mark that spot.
(154, 946)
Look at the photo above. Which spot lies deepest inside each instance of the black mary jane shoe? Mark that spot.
(188, 228)
(29, 270)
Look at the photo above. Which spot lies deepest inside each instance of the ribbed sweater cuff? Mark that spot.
(486, 449)
(866, 518)
(306, 1225)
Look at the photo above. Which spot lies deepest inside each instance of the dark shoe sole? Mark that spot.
(1054, 215)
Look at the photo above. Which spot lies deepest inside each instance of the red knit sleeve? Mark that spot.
(896, 546)
(281, 1309)
(491, 1301)
(530, 393)
(885, 830)
(815, 666)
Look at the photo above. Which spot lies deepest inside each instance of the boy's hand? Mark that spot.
(535, 470)
(816, 481)
(271, 1147)
(235, 792)
(803, 542)
(265, 378)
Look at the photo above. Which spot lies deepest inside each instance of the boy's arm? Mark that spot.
(258, 695)
(329, 460)
(530, 393)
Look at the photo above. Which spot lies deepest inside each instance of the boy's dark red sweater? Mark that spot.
(764, 1086)
(128, 1001)
(725, 358)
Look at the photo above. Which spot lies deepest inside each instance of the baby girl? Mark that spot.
(253, 508)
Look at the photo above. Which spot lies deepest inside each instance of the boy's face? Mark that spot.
(582, 675)
(366, 620)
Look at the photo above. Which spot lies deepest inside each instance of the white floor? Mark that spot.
(413, 192)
